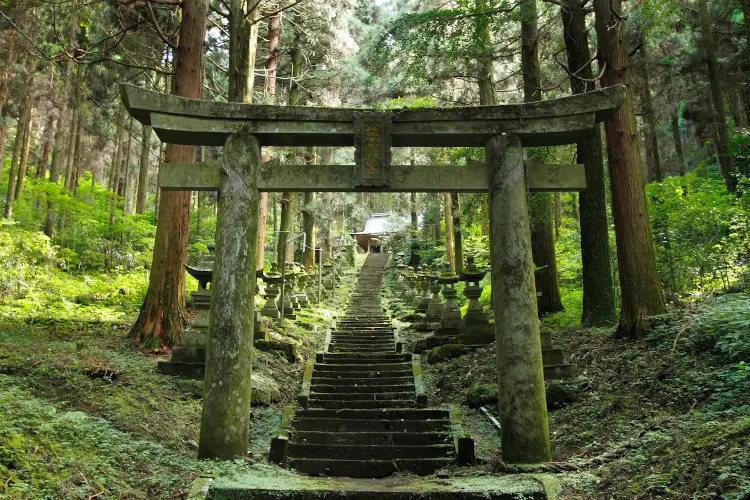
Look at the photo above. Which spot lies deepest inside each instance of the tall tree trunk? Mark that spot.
(484, 215)
(726, 160)
(677, 138)
(413, 216)
(653, 162)
(78, 165)
(448, 210)
(286, 227)
(4, 77)
(117, 151)
(41, 169)
(639, 281)
(24, 117)
(308, 217)
(162, 317)
(746, 62)
(24, 152)
(540, 204)
(598, 289)
(126, 171)
(487, 95)
(458, 241)
(272, 62)
(141, 197)
(71, 152)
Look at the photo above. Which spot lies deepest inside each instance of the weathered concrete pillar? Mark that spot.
(523, 410)
(225, 419)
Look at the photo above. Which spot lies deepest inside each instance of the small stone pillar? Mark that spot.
(450, 323)
(400, 285)
(523, 409)
(475, 328)
(273, 279)
(188, 359)
(435, 307)
(225, 418)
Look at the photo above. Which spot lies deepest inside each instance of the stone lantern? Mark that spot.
(273, 280)
(302, 284)
(400, 285)
(423, 298)
(188, 358)
(409, 277)
(435, 306)
(476, 328)
(450, 323)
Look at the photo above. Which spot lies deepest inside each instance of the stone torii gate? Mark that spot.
(242, 129)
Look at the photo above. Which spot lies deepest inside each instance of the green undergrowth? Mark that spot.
(671, 413)
(84, 412)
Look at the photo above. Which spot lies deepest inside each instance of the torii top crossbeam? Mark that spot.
(179, 120)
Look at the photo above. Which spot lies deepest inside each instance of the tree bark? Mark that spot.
(162, 317)
(639, 281)
(41, 169)
(458, 243)
(141, 197)
(272, 62)
(653, 162)
(540, 204)
(286, 227)
(24, 152)
(25, 116)
(4, 77)
(126, 170)
(308, 217)
(746, 72)
(726, 160)
(677, 138)
(448, 211)
(598, 289)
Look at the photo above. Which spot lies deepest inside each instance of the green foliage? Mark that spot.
(701, 234)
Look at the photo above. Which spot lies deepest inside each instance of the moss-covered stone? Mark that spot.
(558, 395)
(482, 395)
(445, 352)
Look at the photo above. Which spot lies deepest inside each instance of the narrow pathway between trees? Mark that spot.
(361, 417)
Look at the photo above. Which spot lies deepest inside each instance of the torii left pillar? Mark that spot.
(225, 419)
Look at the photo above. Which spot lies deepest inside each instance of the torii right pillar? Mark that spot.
(522, 401)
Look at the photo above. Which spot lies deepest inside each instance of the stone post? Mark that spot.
(523, 410)
(225, 419)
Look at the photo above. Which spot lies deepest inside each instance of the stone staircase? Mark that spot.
(361, 410)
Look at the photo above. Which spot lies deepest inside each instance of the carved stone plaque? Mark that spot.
(372, 149)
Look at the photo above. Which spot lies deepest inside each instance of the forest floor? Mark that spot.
(668, 417)
(84, 413)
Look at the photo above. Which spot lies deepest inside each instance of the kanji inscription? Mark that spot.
(372, 142)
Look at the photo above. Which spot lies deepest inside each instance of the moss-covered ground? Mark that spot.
(85, 414)
(667, 417)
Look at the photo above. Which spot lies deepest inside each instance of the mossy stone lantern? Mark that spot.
(450, 323)
(476, 328)
(273, 280)
(435, 307)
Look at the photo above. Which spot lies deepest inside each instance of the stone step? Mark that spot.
(368, 452)
(360, 374)
(369, 367)
(362, 396)
(332, 379)
(362, 404)
(334, 425)
(371, 438)
(363, 339)
(355, 349)
(370, 414)
(363, 343)
(364, 358)
(354, 345)
(368, 468)
(362, 389)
